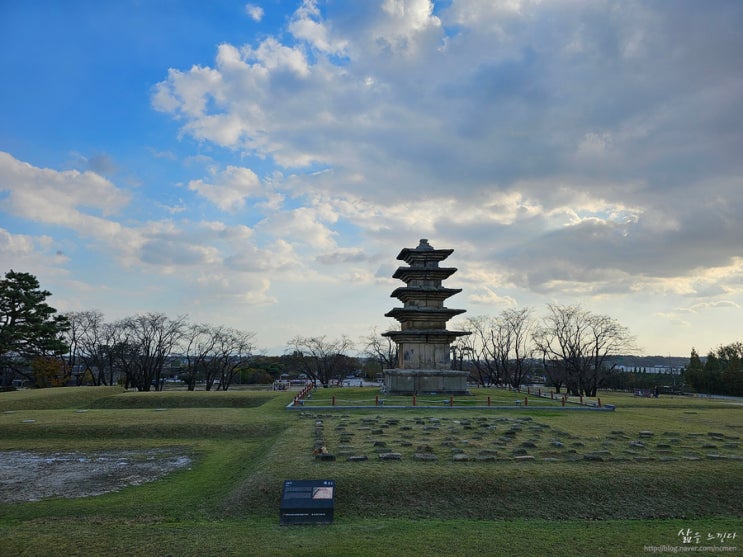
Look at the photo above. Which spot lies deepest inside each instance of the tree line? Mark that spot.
(572, 348)
(720, 374)
(43, 348)
(135, 350)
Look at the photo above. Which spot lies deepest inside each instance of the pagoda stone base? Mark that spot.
(425, 381)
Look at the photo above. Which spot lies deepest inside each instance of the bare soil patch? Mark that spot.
(32, 476)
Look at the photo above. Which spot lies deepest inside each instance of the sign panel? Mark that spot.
(307, 502)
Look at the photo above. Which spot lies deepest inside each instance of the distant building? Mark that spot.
(656, 369)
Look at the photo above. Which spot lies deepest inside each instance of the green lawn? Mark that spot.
(528, 481)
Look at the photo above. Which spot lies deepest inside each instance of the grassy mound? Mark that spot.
(525, 482)
(51, 399)
(182, 399)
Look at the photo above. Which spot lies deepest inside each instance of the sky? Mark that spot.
(260, 165)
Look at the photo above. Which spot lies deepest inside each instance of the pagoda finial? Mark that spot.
(424, 245)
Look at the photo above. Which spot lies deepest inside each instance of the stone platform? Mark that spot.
(425, 381)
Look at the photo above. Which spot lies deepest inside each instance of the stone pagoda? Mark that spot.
(423, 343)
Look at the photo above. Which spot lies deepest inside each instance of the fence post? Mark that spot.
(376, 400)
(563, 401)
(413, 400)
(526, 401)
(451, 401)
(488, 401)
(333, 400)
(599, 401)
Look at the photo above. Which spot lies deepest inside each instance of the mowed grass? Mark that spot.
(49, 399)
(366, 396)
(246, 444)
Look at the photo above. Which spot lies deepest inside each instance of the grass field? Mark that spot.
(529, 481)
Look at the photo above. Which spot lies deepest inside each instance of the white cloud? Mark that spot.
(64, 198)
(187, 94)
(566, 149)
(305, 225)
(306, 25)
(342, 256)
(255, 12)
(705, 306)
(230, 189)
(279, 256)
(51, 196)
(15, 245)
(486, 296)
(229, 293)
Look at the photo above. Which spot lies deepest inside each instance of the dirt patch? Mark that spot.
(31, 476)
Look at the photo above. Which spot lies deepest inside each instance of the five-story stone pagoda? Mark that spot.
(423, 343)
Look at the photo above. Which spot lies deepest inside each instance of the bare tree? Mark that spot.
(478, 347)
(143, 342)
(232, 348)
(197, 344)
(214, 354)
(513, 345)
(91, 340)
(320, 359)
(576, 347)
(381, 349)
(501, 348)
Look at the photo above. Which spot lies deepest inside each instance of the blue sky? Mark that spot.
(261, 164)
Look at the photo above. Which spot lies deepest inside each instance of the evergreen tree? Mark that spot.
(29, 327)
(694, 372)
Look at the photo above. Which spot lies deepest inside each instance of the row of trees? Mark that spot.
(47, 349)
(137, 348)
(571, 346)
(574, 349)
(720, 374)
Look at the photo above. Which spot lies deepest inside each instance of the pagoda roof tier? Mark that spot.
(423, 313)
(423, 253)
(407, 274)
(418, 335)
(423, 293)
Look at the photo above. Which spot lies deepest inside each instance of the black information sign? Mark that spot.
(307, 502)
